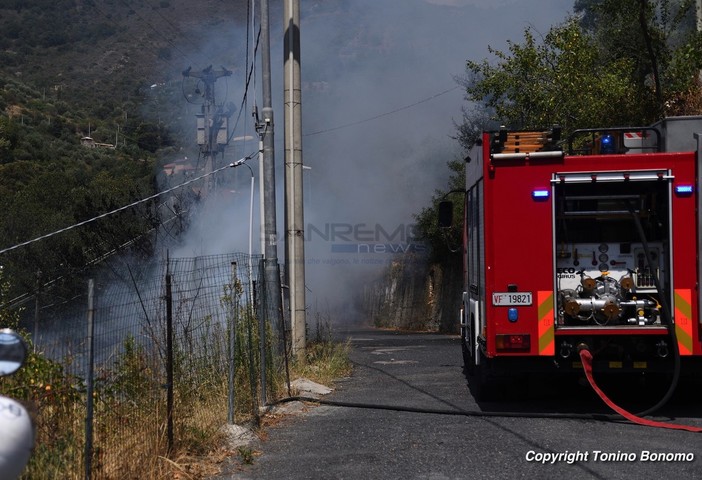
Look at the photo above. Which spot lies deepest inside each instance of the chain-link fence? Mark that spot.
(148, 360)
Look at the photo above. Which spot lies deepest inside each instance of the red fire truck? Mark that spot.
(586, 242)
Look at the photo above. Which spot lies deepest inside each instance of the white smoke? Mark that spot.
(379, 103)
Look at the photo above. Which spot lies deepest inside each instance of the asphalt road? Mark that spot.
(410, 373)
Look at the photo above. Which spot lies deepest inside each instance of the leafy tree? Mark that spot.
(560, 80)
(622, 62)
(661, 42)
(5, 141)
(475, 121)
(8, 318)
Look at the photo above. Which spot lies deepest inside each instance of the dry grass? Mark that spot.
(326, 362)
(129, 425)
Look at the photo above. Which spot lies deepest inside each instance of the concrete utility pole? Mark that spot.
(265, 130)
(294, 219)
(212, 124)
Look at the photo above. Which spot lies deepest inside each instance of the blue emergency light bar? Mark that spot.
(684, 189)
(540, 194)
(607, 145)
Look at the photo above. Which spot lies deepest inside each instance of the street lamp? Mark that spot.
(262, 233)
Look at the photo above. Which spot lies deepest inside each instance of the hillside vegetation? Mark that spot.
(71, 69)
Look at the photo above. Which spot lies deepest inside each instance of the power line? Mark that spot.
(126, 207)
(391, 112)
(180, 33)
(248, 82)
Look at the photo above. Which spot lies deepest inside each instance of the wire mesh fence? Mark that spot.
(147, 360)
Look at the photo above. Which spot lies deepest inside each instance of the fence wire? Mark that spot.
(176, 354)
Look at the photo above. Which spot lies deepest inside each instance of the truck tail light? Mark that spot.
(512, 342)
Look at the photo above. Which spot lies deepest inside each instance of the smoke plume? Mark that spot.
(379, 105)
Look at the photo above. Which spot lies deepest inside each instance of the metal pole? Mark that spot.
(262, 344)
(250, 270)
(295, 248)
(285, 344)
(169, 362)
(252, 376)
(252, 306)
(261, 201)
(232, 347)
(89, 384)
(270, 253)
(212, 119)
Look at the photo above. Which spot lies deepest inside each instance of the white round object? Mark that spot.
(16, 438)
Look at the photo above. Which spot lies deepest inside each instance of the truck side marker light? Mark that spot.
(540, 194)
(684, 190)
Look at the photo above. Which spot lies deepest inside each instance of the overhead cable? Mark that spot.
(126, 207)
(375, 117)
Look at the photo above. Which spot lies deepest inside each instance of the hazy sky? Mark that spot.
(388, 67)
(383, 56)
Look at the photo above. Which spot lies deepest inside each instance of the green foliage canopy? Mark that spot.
(560, 80)
(621, 62)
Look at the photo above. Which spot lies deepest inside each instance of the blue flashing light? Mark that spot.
(684, 190)
(607, 145)
(512, 315)
(540, 194)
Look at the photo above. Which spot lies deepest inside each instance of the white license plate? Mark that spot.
(507, 299)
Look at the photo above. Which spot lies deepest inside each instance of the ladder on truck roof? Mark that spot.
(521, 144)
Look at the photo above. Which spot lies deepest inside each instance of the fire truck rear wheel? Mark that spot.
(486, 387)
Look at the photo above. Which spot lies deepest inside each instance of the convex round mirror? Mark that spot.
(13, 351)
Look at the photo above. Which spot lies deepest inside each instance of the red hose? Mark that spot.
(586, 358)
